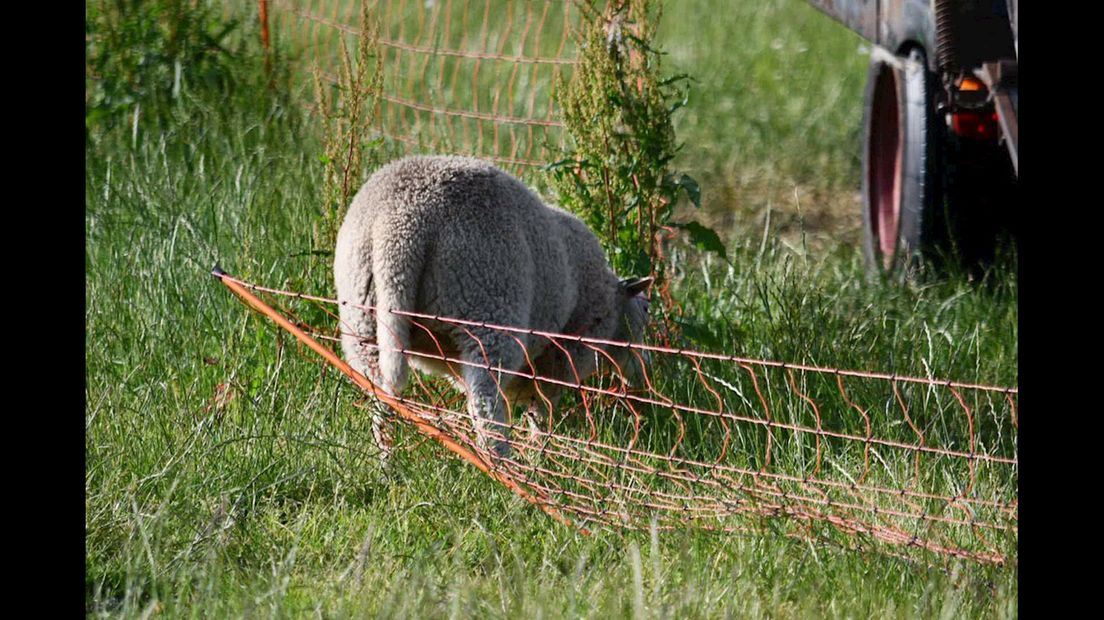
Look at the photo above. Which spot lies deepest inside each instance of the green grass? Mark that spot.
(774, 115)
(267, 500)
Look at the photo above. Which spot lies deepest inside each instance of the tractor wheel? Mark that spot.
(899, 161)
(930, 196)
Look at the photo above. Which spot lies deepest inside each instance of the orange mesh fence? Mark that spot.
(473, 77)
(868, 460)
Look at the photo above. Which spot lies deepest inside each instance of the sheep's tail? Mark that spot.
(398, 262)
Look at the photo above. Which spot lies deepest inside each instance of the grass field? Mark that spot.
(775, 115)
(227, 476)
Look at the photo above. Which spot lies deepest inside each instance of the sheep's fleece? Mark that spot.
(457, 237)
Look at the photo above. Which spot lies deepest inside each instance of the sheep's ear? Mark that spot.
(637, 286)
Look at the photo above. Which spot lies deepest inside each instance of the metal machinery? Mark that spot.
(940, 163)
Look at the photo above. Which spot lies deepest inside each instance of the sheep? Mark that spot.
(454, 236)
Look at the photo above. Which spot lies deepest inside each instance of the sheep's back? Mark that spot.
(445, 189)
(494, 251)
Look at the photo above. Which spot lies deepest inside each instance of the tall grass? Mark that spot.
(229, 475)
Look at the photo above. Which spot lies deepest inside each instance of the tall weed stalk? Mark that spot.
(618, 109)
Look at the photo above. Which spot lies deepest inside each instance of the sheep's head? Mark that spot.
(632, 321)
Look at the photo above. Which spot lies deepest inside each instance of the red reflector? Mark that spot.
(976, 125)
(970, 84)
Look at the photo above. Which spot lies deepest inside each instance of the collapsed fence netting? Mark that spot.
(460, 76)
(862, 459)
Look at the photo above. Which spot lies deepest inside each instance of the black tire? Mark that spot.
(980, 205)
(899, 153)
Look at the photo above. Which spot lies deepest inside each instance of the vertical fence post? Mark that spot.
(263, 14)
(264, 23)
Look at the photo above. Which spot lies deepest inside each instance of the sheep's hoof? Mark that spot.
(498, 448)
(381, 434)
(386, 461)
(531, 418)
(502, 449)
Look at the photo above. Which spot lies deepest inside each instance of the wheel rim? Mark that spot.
(886, 162)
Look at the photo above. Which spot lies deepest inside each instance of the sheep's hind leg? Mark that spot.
(378, 411)
(357, 325)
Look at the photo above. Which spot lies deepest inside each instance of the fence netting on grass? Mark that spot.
(867, 460)
(473, 77)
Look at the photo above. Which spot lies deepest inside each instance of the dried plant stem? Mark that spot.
(349, 113)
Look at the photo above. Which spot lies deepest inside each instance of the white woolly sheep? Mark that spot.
(457, 237)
